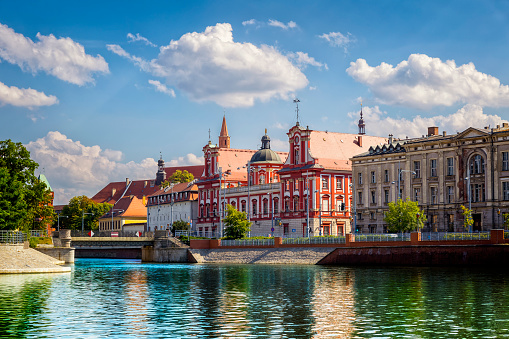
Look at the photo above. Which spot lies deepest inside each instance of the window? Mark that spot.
(433, 168)
(325, 183)
(254, 207)
(265, 206)
(373, 197)
(477, 165)
(360, 179)
(386, 176)
(339, 184)
(417, 194)
(373, 177)
(296, 155)
(477, 192)
(340, 205)
(359, 194)
(287, 204)
(243, 206)
(295, 203)
(359, 216)
(325, 205)
(372, 215)
(417, 169)
(276, 206)
(433, 195)
(450, 194)
(386, 196)
(287, 185)
(262, 179)
(505, 161)
(505, 190)
(450, 166)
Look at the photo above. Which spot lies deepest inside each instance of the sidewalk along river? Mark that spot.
(128, 299)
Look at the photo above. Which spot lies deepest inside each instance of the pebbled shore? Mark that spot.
(16, 259)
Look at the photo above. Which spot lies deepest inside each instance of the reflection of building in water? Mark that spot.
(136, 296)
(332, 304)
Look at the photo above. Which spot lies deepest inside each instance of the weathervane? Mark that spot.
(296, 102)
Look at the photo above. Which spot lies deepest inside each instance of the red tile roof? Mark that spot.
(177, 188)
(132, 206)
(333, 150)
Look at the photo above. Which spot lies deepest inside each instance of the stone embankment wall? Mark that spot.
(18, 259)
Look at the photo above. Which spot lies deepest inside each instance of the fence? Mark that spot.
(382, 237)
(315, 240)
(107, 234)
(248, 242)
(445, 236)
(12, 237)
(39, 233)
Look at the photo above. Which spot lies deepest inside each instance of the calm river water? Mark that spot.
(127, 299)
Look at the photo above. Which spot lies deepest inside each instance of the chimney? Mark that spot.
(444, 133)
(127, 181)
(505, 125)
(390, 138)
(145, 184)
(359, 140)
(432, 131)
(113, 191)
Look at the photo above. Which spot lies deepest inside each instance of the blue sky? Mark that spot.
(97, 90)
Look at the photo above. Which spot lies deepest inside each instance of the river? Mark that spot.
(127, 299)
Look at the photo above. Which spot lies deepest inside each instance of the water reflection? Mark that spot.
(108, 298)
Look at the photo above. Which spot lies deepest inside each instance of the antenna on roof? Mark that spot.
(209, 135)
(296, 102)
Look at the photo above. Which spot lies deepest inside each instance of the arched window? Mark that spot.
(265, 206)
(287, 204)
(253, 203)
(262, 179)
(276, 205)
(243, 205)
(295, 203)
(234, 204)
(477, 164)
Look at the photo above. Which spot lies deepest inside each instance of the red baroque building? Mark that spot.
(274, 187)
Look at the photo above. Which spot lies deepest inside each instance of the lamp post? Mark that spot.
(58, 220)
(352, 187)
(83, 221)
(469, 195)
(221, 200)
(399, 179)
(112, 212)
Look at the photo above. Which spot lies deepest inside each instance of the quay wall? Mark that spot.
(65, 254)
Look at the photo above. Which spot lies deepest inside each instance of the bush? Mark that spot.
(34, 241)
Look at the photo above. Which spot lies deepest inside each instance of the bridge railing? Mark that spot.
(39, 233)
(377, 237)
(112, 234)
(451, 236)
(12, 237)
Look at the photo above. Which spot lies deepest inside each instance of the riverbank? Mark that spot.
(17, 259)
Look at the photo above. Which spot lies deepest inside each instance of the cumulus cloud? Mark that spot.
(189, 160)
(138, 37)
(279, 145)
(23, 97)
(162, 88)
(302, 60)
(337, 39)
(210, 66)
(75, 169)
(424, 82)
(379, 123)
(62, 58)
(279, 24)
(283, 126)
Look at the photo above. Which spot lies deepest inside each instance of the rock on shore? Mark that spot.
(16, 259)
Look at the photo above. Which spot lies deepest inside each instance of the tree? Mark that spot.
(404, 216)
(177, 177)
(468, 221)
(180, 225)
(74, 210)
(506, 220)
(235, 223)
(23, 198)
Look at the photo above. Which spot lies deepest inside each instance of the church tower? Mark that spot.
(161, 173)
(224, 138)
(362, 126)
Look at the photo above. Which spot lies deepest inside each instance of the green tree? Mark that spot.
(235, 223)
(505, 216)
(24, 199)
(180, 225)
(468, 221)
(404, 216)
(74, 210)
(177, 177)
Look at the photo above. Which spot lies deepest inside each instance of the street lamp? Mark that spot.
(352, 186)
(83, 222)
(112, 212)
(58, 220)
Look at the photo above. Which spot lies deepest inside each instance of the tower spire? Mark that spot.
(296, 102)
(362, 126)
(224, 138)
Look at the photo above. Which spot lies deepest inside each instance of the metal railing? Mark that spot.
(379, 237)
(315, 240)
(248, 242)
(106, 234)
(12, 237)
(39, 233)
(450, 236)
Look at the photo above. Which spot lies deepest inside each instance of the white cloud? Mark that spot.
(138, 37)
(279, 145)
(75, 169)
(279, 24)
(312, 88)
(302, 60)
(378, 123)
(249, 22)
(23, 97)
(424, 82)
(337, 39)
(62, 58)
(283, 126)
(162, 88)
(189, 160)
(210, 66)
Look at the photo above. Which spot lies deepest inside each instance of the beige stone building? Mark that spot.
(436, 170)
